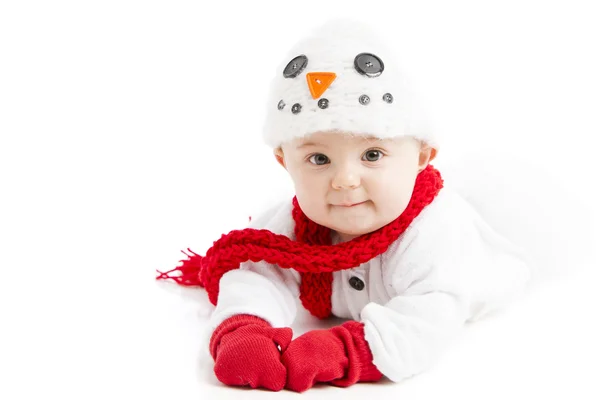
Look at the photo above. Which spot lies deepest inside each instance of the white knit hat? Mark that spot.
(342, 78)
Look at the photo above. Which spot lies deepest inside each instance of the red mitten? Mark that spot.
(339, 356)
(245, 351)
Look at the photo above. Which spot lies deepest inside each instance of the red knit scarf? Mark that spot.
(311, 254)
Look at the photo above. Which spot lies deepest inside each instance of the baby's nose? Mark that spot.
(346, 179)
(318, 82)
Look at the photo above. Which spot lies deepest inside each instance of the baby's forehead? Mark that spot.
(331, 138)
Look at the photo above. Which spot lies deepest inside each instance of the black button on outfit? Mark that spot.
(356, 283)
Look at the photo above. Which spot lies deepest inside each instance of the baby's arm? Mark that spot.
(258, 288)
(398, 339)
(409, 332)
(448, 271)
(249, 327)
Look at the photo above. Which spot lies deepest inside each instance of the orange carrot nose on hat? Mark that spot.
(318, 82)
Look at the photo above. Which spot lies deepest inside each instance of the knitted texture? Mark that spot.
(245, 351)
(315, 287)
(311, 254)
(339, 356)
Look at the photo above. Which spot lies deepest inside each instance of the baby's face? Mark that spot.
(352, 184)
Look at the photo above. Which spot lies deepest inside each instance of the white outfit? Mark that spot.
(447, 268)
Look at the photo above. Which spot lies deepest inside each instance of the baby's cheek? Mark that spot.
(310, 202)
(306, 183)
(392, 202)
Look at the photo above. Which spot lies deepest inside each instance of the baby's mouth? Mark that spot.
(349, 205)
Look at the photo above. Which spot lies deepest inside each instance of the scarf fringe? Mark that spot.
(189, 271)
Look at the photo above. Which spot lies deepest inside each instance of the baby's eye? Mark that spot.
(372, 155)
(319, 159)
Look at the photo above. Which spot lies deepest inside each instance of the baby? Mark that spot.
(372, 235)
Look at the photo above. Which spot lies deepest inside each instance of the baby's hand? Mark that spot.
(339, 356)
(245, 351)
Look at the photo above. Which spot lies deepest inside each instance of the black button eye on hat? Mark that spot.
(368, 64)
(295, 67)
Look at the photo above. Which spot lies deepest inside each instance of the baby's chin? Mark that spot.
(351, 223)
(346, 227)
(348, 230)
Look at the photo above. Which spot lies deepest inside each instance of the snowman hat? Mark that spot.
(343, 78)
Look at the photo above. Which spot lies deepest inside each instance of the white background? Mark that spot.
(131, 130)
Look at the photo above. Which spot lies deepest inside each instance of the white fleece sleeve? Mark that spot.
(451, 268)
(427, 310)
(409, 333)
(259, 288)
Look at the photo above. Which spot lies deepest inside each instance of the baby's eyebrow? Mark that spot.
(308, 144)
(370, 139)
